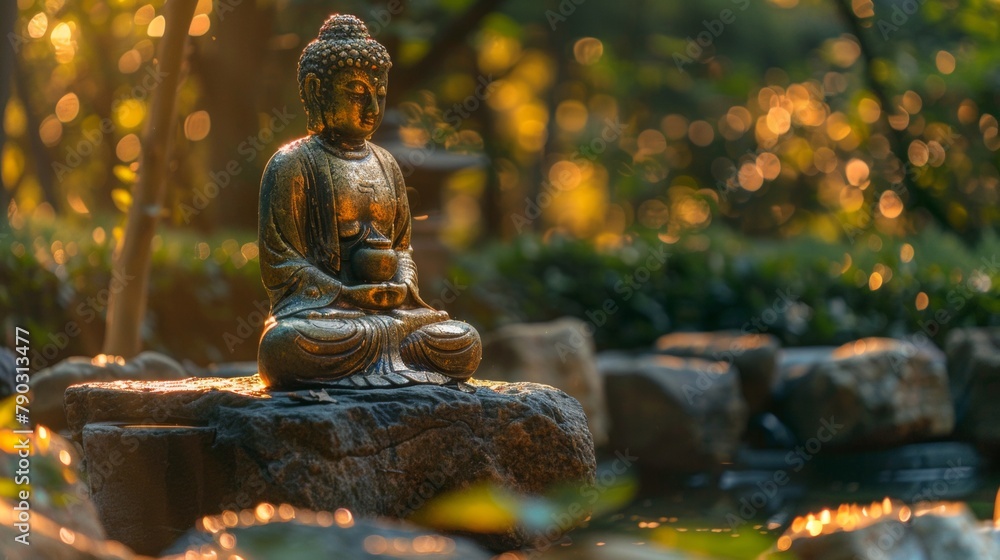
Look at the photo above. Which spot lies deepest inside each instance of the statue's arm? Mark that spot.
(293, 282)
(403, 228)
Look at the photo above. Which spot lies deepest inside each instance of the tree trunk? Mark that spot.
(8, 16)
(130, 280)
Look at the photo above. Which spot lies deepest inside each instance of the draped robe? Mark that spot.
(313, 334)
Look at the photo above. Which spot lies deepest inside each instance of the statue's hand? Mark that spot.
(382, 296)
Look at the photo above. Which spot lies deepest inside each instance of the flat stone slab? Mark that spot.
(202, 446)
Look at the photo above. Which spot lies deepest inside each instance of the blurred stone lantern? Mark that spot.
(426, 171)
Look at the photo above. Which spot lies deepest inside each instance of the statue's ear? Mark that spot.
(314, 103)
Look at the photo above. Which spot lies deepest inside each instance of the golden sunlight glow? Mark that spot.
(874, 283)
(768, 165)
(890, 205)
(701, 133)
(996, 510)
(200, 25)
(129, 62)
(156, 27)
(750, 177)
(571, 115)
(343, 517)
(869, 110)
(197, 125)
(37, 25)
(128, 148)
(906, 252)
(588, 51)
(779, 120)
(50, 131)
(675, 127)
(863, 8)
(144, 15)
(847, 517)
(130, 113)
(945, 62)
(68, 107)
(857, 173)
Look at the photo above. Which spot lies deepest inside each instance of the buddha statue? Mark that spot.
(334, 240)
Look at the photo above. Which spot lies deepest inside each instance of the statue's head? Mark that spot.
(343, 76)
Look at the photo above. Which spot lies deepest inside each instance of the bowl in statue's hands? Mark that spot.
(374, 265)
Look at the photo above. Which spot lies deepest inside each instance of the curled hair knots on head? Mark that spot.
(343, 41)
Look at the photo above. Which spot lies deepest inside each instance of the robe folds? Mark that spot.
(313, 335)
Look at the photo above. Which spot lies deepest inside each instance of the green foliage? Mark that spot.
(803, 290)
(201, 288)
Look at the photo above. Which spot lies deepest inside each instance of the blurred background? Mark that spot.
(840, 155)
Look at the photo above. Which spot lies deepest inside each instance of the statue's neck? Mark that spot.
(347, 146)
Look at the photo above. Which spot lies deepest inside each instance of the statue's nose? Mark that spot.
(373, 105)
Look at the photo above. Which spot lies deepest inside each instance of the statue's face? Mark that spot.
(357, 102)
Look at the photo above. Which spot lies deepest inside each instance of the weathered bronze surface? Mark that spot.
(334, 237)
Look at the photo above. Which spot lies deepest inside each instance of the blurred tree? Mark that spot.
(130, 282)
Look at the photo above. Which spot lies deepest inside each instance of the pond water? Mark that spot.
(741, 512)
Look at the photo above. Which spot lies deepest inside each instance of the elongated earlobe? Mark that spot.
(314, 104)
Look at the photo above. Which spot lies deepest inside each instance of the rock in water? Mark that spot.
(873, 391)
(754, 355)
(49, 385)
(558, 353)
(679, 414)
(209, 445)
(974, 370)
(891, 531)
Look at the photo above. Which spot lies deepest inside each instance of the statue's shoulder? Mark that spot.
(384, 155)
(291, 156)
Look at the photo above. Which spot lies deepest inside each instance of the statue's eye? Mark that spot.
(356, 88)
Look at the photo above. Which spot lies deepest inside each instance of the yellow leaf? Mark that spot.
(480, 509)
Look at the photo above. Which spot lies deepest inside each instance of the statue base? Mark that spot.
(162, 454)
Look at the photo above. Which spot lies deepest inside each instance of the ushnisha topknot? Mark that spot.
(343, 41)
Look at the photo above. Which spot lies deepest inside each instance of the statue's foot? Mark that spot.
(452, 348)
